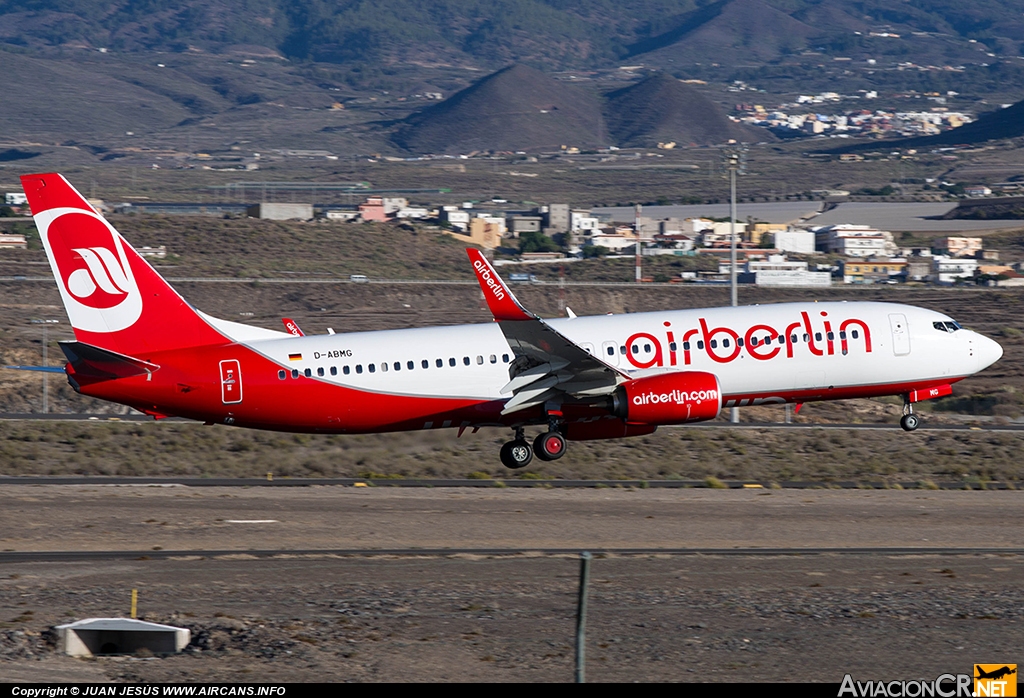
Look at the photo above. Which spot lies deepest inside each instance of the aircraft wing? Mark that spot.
(548, 365)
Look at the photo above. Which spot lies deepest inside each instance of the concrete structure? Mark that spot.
(582, 221)
(774, 262)
(490, 220)
(281, 212)
(959, 246)
(412, 212)
(947, 270)
(341, 215)
(15, 198)
(873, 270)
(556, 218)
(10, 241)
(393, 205)
(518, 224)
(792, 240)
(613, 240)
(793, 277)
(756, 231)
(854, 240)
(979, 190)
(93, 636)
(720, 233)
(455, 217)
(373, 209)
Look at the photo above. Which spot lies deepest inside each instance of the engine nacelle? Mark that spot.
(669, 398)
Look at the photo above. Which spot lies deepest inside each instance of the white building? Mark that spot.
(581, 221)
(613, 240)
(854, 240)
(798, 241)
(496, 220)
(948, 270)
(412, 212)
(719, 233)
(15, 199)
(455, 217)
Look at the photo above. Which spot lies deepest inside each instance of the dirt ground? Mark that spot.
(460, 617)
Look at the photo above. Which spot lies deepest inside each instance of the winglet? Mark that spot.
(292, 327)
(502, 303)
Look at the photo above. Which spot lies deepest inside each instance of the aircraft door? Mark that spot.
(900, 334)
(610, 353)
(230, 382)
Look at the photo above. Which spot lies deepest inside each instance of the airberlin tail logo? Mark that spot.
(89, 257)
(102, 272)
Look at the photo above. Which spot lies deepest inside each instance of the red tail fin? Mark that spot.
(114, 298)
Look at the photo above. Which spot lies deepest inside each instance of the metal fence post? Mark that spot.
(581, 616)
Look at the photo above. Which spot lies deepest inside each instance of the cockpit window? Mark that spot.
(953, 326)
(940, 326)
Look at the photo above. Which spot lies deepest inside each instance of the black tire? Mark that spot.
(909, 422)
(550, 445)
(516, 454)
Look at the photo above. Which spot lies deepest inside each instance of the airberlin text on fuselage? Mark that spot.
(492, 284)
(761, 341)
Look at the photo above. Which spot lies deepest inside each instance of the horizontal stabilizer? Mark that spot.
(100, 364)
(43, 369)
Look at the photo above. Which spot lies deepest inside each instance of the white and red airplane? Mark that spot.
(140, 344)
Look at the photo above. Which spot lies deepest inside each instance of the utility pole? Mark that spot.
(639, 251)
(46, 377)
(733, 163)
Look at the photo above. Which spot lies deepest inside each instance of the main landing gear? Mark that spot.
(549, 446)
(909, 421)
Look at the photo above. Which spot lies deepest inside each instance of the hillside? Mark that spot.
(516, 108)
(661, 108)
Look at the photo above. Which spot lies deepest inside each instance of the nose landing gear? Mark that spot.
(909, 421)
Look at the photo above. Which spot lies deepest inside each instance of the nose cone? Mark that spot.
(986, 351)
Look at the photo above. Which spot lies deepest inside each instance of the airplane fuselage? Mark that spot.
(438, 377)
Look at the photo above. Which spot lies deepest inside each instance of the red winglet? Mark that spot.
(500, 300)
(292, 327)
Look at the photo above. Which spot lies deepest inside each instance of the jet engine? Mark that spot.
(668, 398)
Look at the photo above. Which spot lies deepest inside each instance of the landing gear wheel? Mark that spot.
(516, 454)
(909, 422)
(550, 445)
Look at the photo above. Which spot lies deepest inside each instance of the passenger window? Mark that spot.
(494, 359)
(622, 350)
(686, 346)
(451, 361)
(753, 341)
(793, 338)
(817, 336)
(320, 371)
(439, 362)
(308, 373)
(295, 373)
(647, 348)
(359, 368)
(714, 343)
(700, 343)
(842, 335)
(504, 358)
(282, 374)
(334, 370)
(831, 336)
(635, 349)
(807, 337)
(425, 363)
(383, 366)
(479, 360)
(725, 343)
(739, 341)
(346, 370)
(410, 365)
(466, 361)
(672, 346)
(372, 367)
(855, 334)
(398, 365)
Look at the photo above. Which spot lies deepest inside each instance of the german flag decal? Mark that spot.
(295, 357)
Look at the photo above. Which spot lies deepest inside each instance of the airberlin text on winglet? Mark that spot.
(485, 274)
